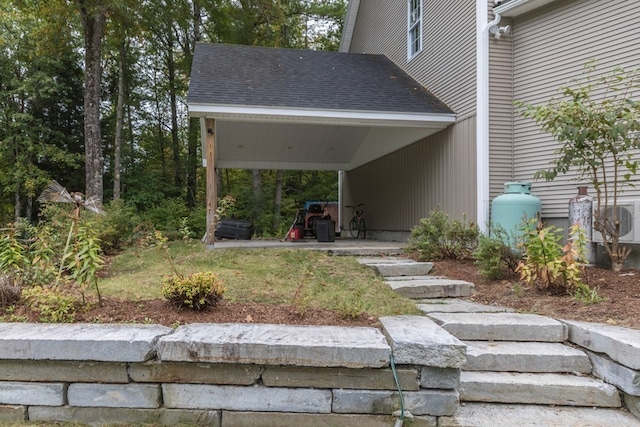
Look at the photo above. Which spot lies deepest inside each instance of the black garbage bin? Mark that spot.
(325, 230)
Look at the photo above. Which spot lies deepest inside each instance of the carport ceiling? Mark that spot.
(308, 110)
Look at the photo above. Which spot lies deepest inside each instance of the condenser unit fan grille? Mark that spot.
(625, 216)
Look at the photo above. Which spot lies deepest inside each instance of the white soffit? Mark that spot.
(312, 140)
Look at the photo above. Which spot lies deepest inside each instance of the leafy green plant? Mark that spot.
(83, 260)
(438, 237)
(52, 304)
(166, 216)
(12, 253)
(495, 257)
(196, 291)
(352, 307)
(115, 230)
(184, 230)
(586, 295)
(26, 253)
(548, 265)
(41, 269)
(597, 124)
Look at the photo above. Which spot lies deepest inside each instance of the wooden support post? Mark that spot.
(212, 185)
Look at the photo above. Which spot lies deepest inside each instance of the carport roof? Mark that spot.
(279, 108)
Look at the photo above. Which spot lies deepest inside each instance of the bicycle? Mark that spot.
(357, 226)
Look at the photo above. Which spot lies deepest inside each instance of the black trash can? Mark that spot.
(325, 230)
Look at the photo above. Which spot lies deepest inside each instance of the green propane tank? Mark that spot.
(515, 205)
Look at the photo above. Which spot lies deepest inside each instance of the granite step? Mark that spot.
(537, 389)
(457, 305)
(541, 357)
(492, 415)
(501, 327)
(432, 288)
(395, 266)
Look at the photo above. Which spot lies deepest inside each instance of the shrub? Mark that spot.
(13, 256)
(549, 265)
(494, 257)
(196, 291)
(167, 215)
(26, 253)
(116, 228)
(437, 237)
(198, 221)
(52, 304)
(83, 260)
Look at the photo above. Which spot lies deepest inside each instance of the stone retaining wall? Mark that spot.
(229, 374)
(615, 355)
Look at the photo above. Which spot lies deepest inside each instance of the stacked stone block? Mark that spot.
(615, 355)
(229, 374)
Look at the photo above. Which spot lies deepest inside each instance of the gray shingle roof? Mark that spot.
(291, 78)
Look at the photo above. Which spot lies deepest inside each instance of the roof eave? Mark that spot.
(318, 116)
(518, 7)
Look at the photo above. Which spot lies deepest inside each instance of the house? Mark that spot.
(401, 162)
(479, 57)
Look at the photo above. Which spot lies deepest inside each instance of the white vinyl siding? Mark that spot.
(550, 47)
(446, 64)
(414, 28)
(501, 110)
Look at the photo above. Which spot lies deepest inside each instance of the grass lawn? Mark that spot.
(302, 278)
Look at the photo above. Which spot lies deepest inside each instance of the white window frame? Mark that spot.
(414, 28)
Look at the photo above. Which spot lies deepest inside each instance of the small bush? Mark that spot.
(26, 253)
(437, 237)
(494, 257)
(167, 216)
(52, 304)
(115, 229)
(549, 265)
(196, 292)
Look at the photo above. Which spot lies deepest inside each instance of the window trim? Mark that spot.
(414, 23)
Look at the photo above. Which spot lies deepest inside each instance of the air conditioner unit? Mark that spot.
(629, 216)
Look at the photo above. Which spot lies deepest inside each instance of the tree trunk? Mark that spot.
(175, 140)
(278, 200)
(192, 162)
(16, 207)
(93, 16)
(29, 212)
(194, 126)
(257, 192)
(119, 125)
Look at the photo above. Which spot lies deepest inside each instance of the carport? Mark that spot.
(289, 109)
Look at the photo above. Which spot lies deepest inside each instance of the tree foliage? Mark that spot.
(139, 142)
(597, 123)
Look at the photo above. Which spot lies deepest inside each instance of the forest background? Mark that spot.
(93, 95)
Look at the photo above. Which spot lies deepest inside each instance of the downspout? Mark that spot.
(482, 113)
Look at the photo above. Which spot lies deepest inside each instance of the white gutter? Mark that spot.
(349, 25)
(304, 115)
(518, 7)
(482, 113)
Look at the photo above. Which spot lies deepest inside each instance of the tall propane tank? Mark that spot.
(580, 211)
(515, 206)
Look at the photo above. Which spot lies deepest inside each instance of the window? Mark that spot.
(414, 33)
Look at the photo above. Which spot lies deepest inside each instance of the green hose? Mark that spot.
(400, 420)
